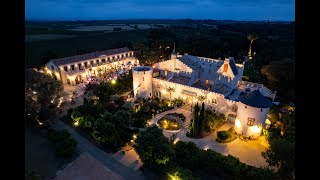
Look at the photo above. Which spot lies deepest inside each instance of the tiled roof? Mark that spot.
(83, 57)
(255, 99)
(200, 85)
(191, 61)
(180, 80)
(220, 88)
(233, 67)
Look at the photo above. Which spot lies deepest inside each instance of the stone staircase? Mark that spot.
(186, 107)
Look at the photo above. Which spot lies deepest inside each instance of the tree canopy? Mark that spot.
(40, 91)
(153, 147)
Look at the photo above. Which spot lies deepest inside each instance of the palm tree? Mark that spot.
(170, 90)
(251, 38)
(201, 98)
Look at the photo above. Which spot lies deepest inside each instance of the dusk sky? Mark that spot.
(160, 9)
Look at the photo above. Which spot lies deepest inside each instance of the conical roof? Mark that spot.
(255, 99)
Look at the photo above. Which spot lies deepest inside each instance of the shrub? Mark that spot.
(223, 135)
(66, 148)
(56, 136)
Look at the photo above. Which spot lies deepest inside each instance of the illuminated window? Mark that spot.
(142, 78)
(97, 61)
(121, 55)
(103, 60)
(112, 57)
(108, 59)
(234, 109)
(85, 64)
(91, 62)
(250, 121)
(80, 67)
(225, 68)
(214, 101)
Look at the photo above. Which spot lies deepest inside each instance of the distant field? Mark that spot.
(35, 51)
(101, 28)
(41, 37)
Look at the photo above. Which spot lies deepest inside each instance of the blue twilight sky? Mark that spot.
(160, 9)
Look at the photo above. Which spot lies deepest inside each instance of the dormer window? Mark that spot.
(225, 67)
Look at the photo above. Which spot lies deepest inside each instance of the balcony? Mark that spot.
(88, 66)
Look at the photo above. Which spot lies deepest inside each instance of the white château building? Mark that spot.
(77, 69)
(219, 81)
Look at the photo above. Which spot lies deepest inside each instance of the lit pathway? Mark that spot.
(248, 152)
(105, 158)
(125, 165)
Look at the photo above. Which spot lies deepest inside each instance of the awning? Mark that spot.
(189, 93)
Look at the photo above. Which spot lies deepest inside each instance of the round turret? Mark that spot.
(142, 82)
(252, 113)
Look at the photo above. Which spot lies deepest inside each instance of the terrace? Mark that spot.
(245, 87)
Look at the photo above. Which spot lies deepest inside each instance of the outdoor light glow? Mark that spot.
(206, 147)
(134, 136)
(174, 176)
(153, 66)
(165, 121)
(184, 97)
(164, 91)
(256, 129)
(176, 140)
(113, 81)
(76, 123)
(268, 121)
(237, 123)
(196, 100)
(34, 92)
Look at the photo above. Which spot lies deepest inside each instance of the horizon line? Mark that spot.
(26, 19)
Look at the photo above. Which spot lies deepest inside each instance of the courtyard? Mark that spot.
(248, 152)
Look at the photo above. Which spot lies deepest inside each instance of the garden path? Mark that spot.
(248, 152)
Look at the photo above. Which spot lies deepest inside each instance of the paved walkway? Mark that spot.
(105, 158)
(248, 152)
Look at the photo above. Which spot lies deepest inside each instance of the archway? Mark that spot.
(231, 117)
(79, 79)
